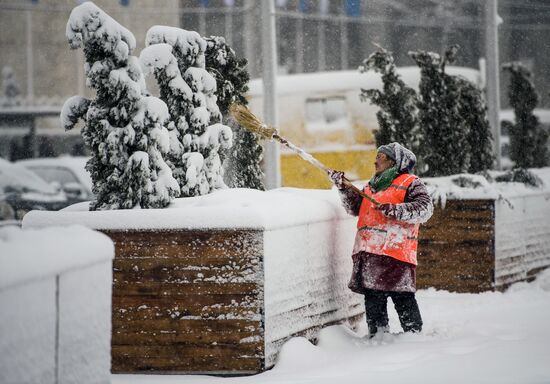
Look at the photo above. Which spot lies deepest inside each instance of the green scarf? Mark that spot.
(383, 180)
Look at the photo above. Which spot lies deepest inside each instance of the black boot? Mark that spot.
(376, 311)
(408, 311)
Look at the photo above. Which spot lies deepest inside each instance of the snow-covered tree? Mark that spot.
(528, 138)
(474, 111)
(188, 170)
(190, 92)
(228, 70)
(10, 89)
(242, 162)
(445, 149)
(397, 117)
(123, 127)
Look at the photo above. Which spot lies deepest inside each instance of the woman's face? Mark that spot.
(382, 162)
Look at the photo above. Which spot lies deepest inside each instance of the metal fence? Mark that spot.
(311, 35)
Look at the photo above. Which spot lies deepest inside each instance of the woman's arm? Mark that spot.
(350, 200)
(416, 209)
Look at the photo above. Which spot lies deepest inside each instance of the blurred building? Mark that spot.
(313, 35)
(46, 72)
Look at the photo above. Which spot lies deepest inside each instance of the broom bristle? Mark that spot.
(248, 120)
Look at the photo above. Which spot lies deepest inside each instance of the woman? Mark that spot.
(384, 253)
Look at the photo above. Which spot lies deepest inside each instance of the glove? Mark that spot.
(337, 178)
(386, 209)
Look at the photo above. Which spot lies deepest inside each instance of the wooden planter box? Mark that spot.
(204, 299)
(188, 301)
(481, 245)
(456, 250)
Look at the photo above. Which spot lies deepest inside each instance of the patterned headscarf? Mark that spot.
(404, 158)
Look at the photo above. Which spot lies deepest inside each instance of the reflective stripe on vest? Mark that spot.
(382, 235)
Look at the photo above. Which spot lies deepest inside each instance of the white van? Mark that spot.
(316, 109)
(322, 113)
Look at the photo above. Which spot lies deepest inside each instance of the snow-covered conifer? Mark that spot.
(188, 170)
(123, 127)
(474, 111)
(242, 162)
(444, 149)
(191, 97)
(229, 72)
(397, 117)
(528, 138)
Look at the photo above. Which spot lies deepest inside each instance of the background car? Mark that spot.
(67, 173)
(21, 191)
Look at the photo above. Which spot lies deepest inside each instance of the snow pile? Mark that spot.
(227, 208)
(467, 338)
(460, 187)
(55, 295)
(27, 255)
(473, 187)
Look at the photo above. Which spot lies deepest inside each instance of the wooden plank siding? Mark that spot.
(456, 250)
(480, 245)
(187, 301)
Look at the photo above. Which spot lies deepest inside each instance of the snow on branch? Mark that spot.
(188, 44)
(156, 59)
(216, 136)
(89, 24)
(73, 110)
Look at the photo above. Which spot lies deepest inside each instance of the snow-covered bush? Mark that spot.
(177, 59)
(229, 72)
(445, 149)
(397, 117)
(528, 137)
(473, 109)
(520, 175)
(123, 127)
(445, 125)
(188, 169)
(242, 162)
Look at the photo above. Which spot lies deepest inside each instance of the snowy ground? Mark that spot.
(468, 338)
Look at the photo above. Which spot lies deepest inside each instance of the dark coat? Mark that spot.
(381, 272)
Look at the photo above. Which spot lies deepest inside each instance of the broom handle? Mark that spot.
(313, 161)
(349, 184)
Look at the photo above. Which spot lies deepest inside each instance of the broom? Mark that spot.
(248, 120)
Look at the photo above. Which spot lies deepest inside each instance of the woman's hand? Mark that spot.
(386, 209)
(337, 178)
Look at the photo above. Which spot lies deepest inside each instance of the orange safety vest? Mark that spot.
(382, 235)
